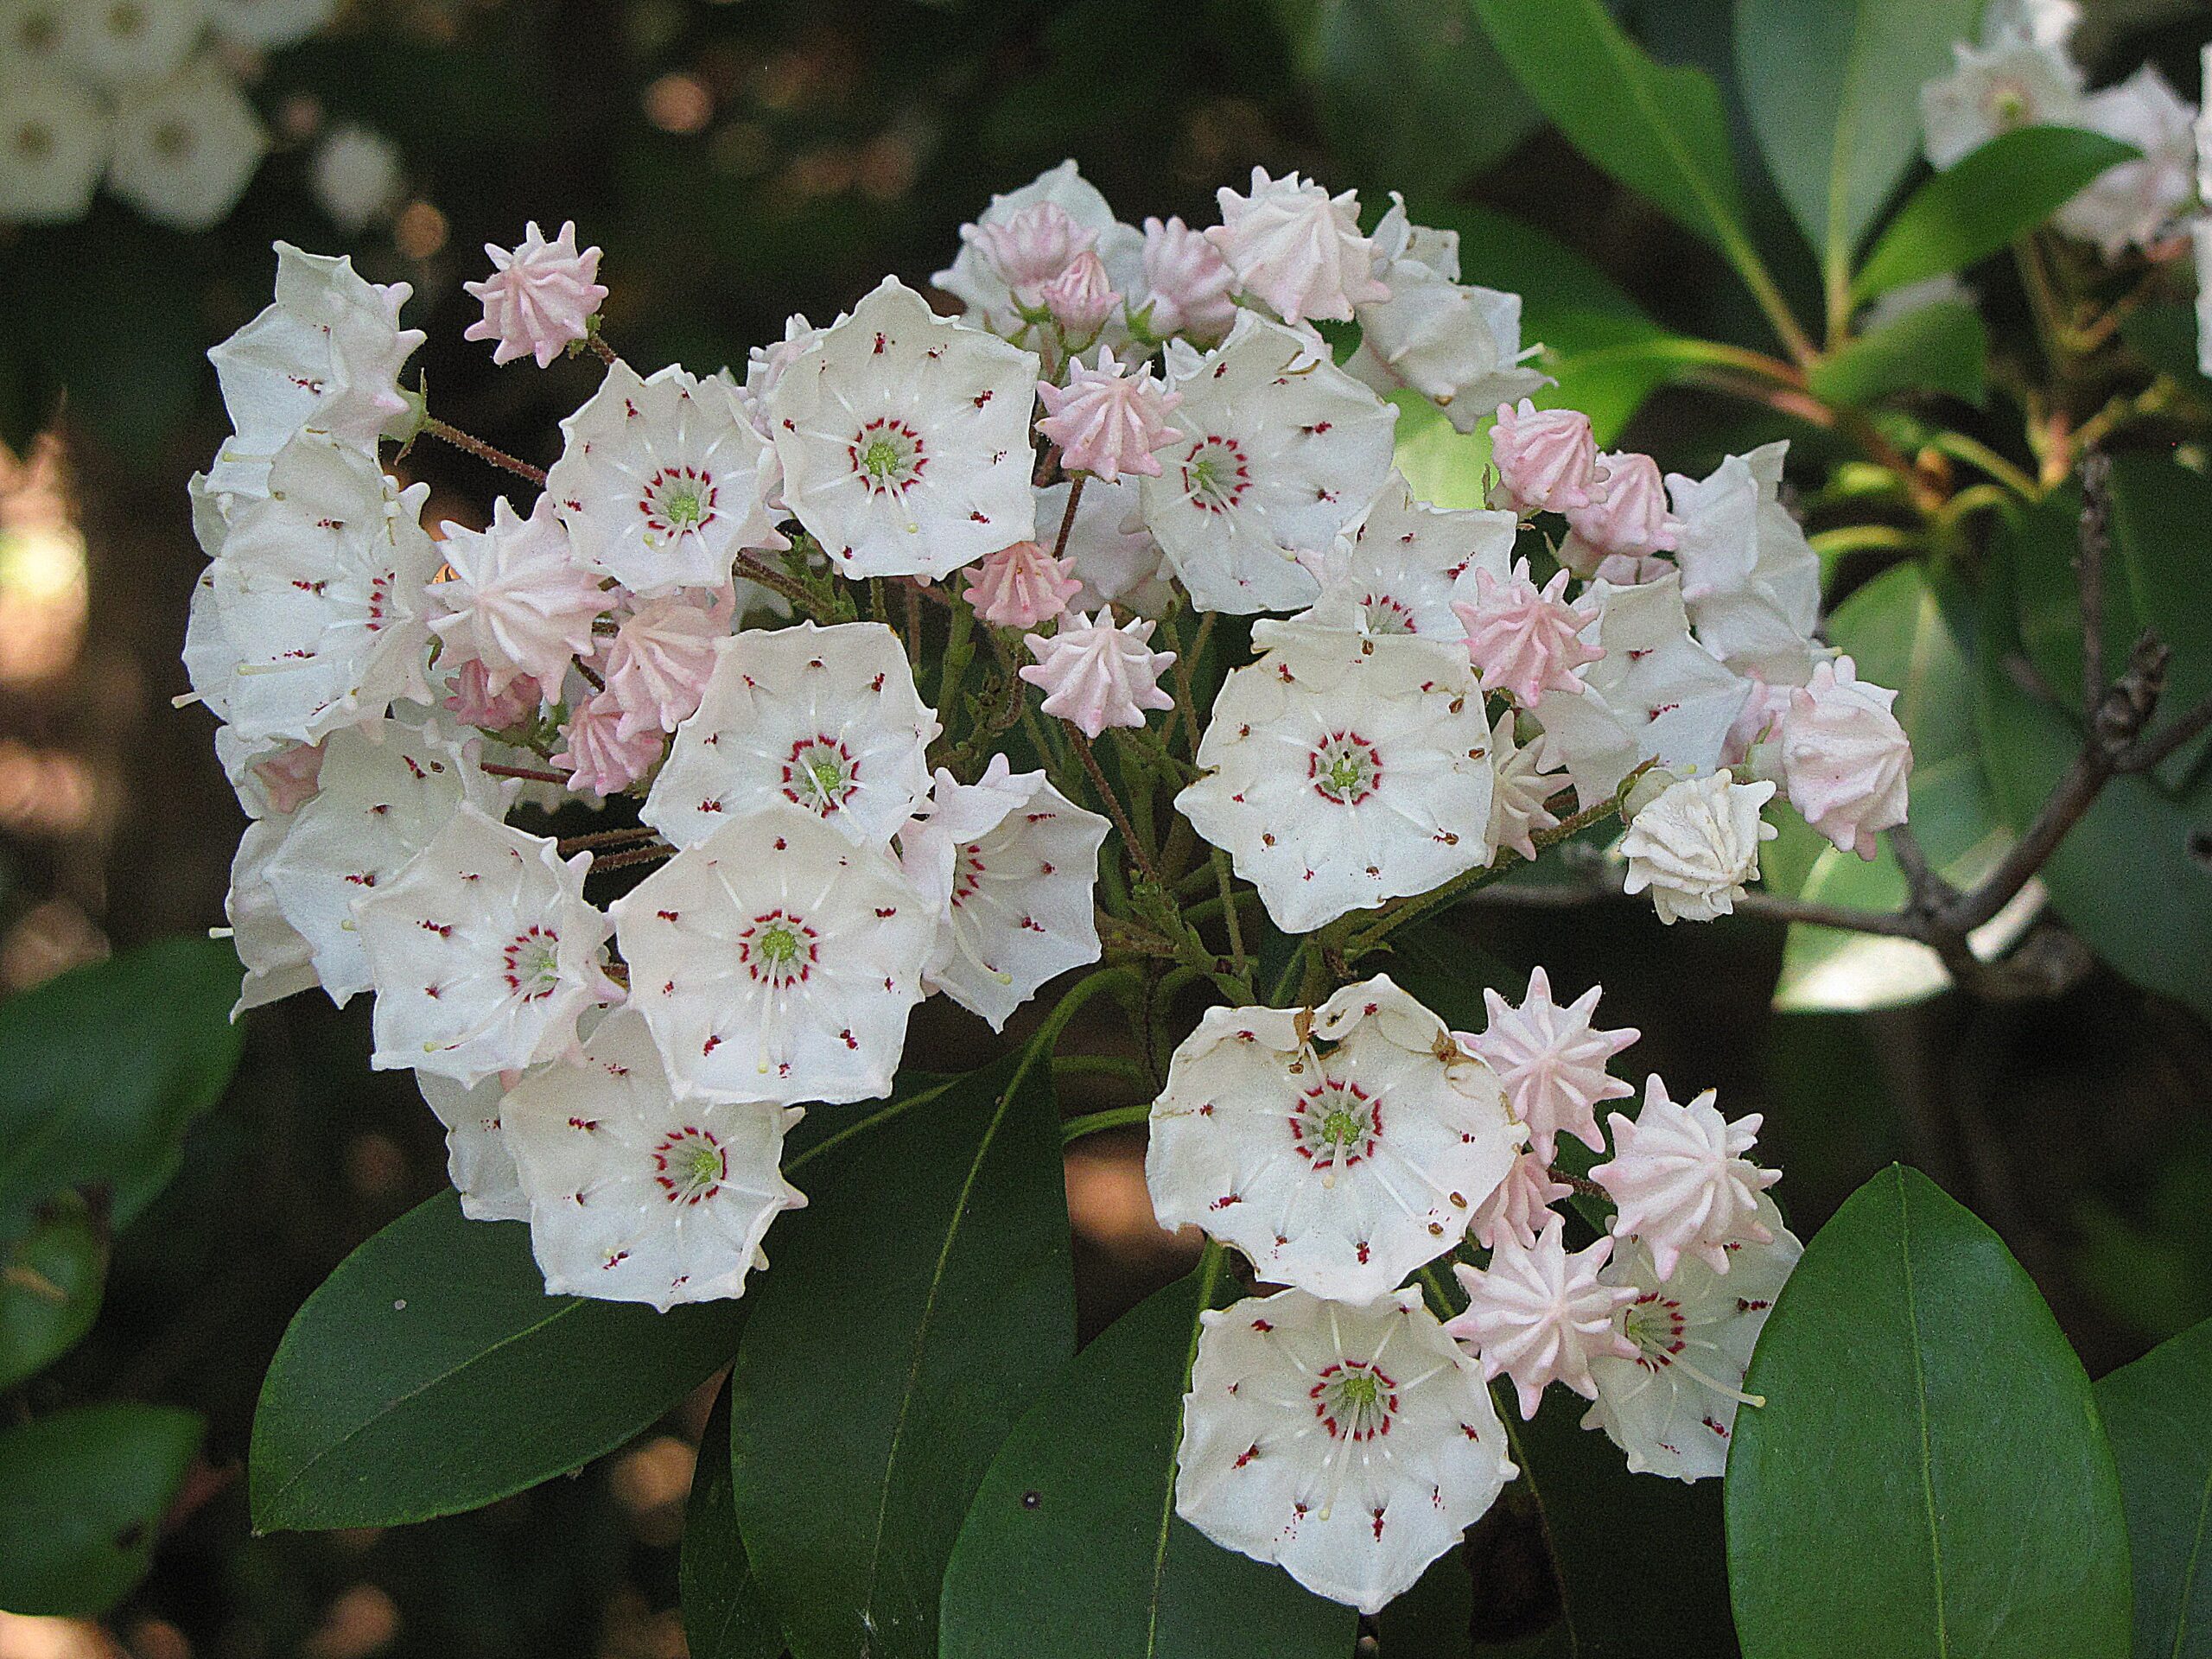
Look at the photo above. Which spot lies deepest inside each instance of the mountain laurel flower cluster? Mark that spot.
(1092, 628)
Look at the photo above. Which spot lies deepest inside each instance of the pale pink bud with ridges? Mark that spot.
(1107, 421)
(1297, 248)
(539, 298)
(1632, 517)
(1523, 641)
(1681, 1180)
(1096, 675)
(471, 699)
(1028, 249)
(1547, 459)
(1081, 297)
(1520, 1204)
(598, 758)
(1187, 281)
(1846, 759)
(1021, 585)
(661, 655)
(1552, 1061)
(1539, 1315)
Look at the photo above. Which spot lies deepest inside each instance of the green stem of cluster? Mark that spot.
(1115, 1117)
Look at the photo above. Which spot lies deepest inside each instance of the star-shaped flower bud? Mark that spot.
(660, 660)
(1681, 1180)
(1672, 1409)
(1547, 460)
(1013, 244)
(1010, 864)
(1345, 769)
(905, 439)
(315, 608)
(387, 789)
(1538, 1314)
(1846, 759)
(1020, 585)
(776, 960)
(1281, 454)
(603, 749)
(1030, 247)
(1633, 520)
(1521, 1205)
(1525, 642)
(325, 358)
(1296, 248)
(1519, 809)
(824, 720)
(483, 952)
(1656, 694)
(1107, 421)
(1097, 675)
(1186, 283)
(662, 482)
(1750, 578)
(539, 299)
(1400, 571)
(478, 1162)
(1339, 1147)
(637, 1194)
(1552, 1061)
(1081, 298)
(517, 601)
(1696, 846)
(1351, 1445)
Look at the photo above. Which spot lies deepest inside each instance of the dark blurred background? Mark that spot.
(738, 161)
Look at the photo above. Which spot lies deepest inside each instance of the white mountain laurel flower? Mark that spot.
(1400, 570)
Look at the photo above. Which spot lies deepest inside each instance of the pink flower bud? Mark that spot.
(1547, 459)
(1106, 421)
(1081, 298)
(661, 655)
(1187, 281)
(1028, 249)
(599, 760)
(1631, 517)
(473, 701)
(1297, 248)
(1845, 757)
(1096, 675)
(1523, 642)
(1021, 585)
(539, 297)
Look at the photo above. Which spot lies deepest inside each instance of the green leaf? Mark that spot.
(724, 1617)
(1928, 1476)
(2004, 189)
(2157, 1414)
(916, 1308)
(103, 1069)
(50, 1284)
(431, 1373)
(1074, 1530)
(2164, 336)
(1660, 131)
(1832, 88)
(1900, 635)
(81, 1496)
(1942, 346)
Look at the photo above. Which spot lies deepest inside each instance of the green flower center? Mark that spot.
(882, 459)
(1340, 1128)
(779, 943)
(1354, 1400)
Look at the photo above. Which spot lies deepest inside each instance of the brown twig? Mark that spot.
(483, 451)
(1084, 752)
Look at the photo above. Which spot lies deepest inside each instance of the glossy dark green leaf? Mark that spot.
(1928, 1476)
(724, 1617)
(50, 1283)
(1661, 130)
(103, 1069)
(1940, 346)
(2157, 1414)
(431, 1373)
(2004, 189)
(916, 1308)
(1074, 1530)
(2164, 336)
(81, 1496)
(1833, 90)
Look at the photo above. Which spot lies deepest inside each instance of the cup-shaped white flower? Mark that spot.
(662, 482)
(905, 439)
(2004, 84)
(483, 952)
(1656, 694)
(1010, 864)
(826, 720)
(1345, 769)
(1552, 1062)
(776, 960)
(478, 1162)
(1750, 578)
(2135, 203)
(1281, 454)
(1845, 757)
(1339, 1147)
(1350, 1444)
(1400, 571)
(324, 357)
(317, 598)
(387, 789)
(1696, 846)
(1680, 1181)
(637, 1195)
(53, 145)
(1539, 1315)
(1673, 1408)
